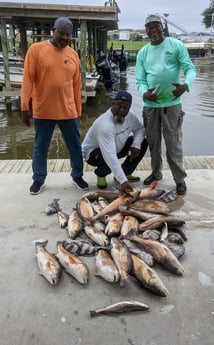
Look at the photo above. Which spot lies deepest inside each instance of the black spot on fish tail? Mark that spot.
(92, 313)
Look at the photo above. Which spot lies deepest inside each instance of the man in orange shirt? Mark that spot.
(52, 79)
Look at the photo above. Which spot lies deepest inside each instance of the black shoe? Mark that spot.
(181, 188)
(36, 188)
(80, 183)
(152, 178)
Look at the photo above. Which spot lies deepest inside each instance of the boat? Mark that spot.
(201, 53)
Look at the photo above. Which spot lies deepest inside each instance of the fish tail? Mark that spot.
(125, 281)
(92, 313)
(40, 242)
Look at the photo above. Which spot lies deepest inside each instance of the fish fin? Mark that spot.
(129, 235)
(125, 281)
(42, 242)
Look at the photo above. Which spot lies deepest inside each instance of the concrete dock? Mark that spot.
(35, 313)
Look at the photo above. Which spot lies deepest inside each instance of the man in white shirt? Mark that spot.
(116, 134)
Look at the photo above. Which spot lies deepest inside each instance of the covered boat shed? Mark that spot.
(90, 27)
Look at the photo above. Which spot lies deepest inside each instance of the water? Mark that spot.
(16, 140)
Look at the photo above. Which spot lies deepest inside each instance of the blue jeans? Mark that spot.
(102, 169)
(43, 134)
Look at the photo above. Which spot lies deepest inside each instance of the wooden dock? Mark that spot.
(23, 166)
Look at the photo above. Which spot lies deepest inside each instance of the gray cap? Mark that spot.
(63, 23)
(153, 18)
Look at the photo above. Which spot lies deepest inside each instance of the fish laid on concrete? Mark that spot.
(140, 253)
(148, 278)
(49, 266)
(72, 264)
(122, 259)
(164, 232)
(53, 207)
(62, 218)
(159, 251)
(75, 224)
(120, 307)
(105, 267)
(114, 224)
(140, 215)
(113, 206)
(168, 196)
(152, 234)
(149, 192)
(129, 223)
(177, 249)
(82, 247)
(85, 209)
(150, 205)
(97, 236)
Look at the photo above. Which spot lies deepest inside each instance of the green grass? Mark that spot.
(128, 45)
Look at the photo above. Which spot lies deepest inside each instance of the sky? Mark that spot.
(183, 13)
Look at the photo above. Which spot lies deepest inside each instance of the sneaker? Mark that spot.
(80, 183)
(132, 178)
(152, 178)
(36, 188)
(101, 182)
(181, 188)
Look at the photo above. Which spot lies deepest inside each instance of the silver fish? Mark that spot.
(53, 207)
(151, 235)
(164, 232)
(168, 196)
(72, 264)
(49, 266)
(120, 307)
(105, 267)
(177, 249)
(81, 247)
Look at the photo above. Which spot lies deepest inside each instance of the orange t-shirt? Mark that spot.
(52, 78)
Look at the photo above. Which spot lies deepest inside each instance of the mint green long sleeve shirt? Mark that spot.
(158, 66)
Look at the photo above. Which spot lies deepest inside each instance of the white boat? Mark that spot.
(201, 53)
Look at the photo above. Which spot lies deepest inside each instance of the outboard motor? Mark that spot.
(104, 69)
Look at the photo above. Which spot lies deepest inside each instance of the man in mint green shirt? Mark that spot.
(158, 78)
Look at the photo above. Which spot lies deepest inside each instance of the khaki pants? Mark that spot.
(167, 122)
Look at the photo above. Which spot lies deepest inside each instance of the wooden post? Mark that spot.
(83, 30)
(5, 55)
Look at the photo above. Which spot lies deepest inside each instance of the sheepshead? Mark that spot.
(177, 249)
(140, 253)
(129, 223)
(179, 231)
(153, 206)
(81, 247)
(152, 234)
(159, 251)
(62, 218)
(122, 259)
(97, 236)
(75, 224)
(113, 206)
(174, 238)
(53, 207)
(120, 307)
(108, 195)
(49, 266)
(72, 264)
(105, 267)
(148, 278)
(114, 224)
(168, 196)
(85, 209)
